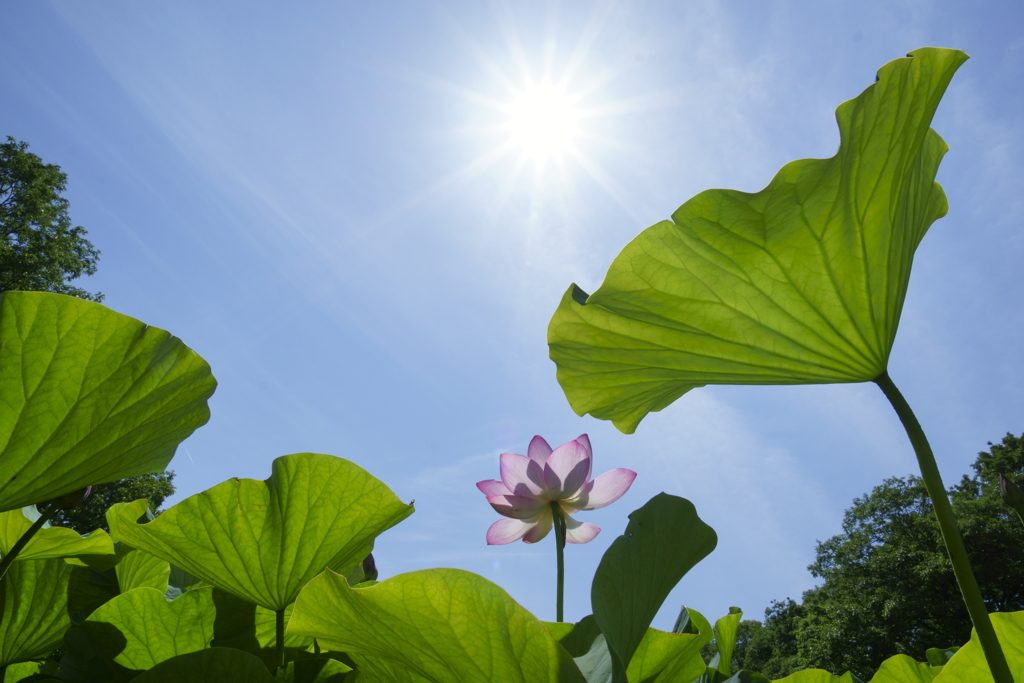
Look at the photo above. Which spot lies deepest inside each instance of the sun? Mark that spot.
(542, 122)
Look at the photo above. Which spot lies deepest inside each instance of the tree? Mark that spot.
(39, 250)
(888, 587)
(91, 514)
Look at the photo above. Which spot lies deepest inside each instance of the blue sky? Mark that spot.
(319, 198)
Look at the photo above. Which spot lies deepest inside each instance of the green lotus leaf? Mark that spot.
(968, 665)
(897, 669)
(141, 628)
(264, 540)
(800, 283)
(33, 609)
(444, 625)
(89, 396)
(317, 670)
(660, 658)
(725, 640)
(377, 670)
(49, 541)
(215, 665)
(139, 569)
(33, 672)
(663, 540)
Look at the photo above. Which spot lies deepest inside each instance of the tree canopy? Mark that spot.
(887, 584)
(39, 248)
(91, 514)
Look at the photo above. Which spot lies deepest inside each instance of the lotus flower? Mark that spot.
(529, 483)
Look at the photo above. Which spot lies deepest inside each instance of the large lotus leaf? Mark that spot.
(264, 540)
(445, 625)
(377, 670)
(725, 640)
(215, 665)
(89, 396)
(800, 283)
(49, 541)
(968, 665)
(33, 609)
(663, 540)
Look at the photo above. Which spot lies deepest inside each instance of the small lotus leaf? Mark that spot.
(444, 625)
(663, 540)
(264, 540)
(89, 396)
(800, 283)
(49, 541)
(725, 640)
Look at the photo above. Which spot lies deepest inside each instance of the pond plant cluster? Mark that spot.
(273, 580)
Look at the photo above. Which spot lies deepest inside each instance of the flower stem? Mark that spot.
(44, 517)
(559, 548)
(950, 532)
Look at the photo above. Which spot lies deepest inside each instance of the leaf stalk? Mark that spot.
(950, 532)
(559, 522)
(280, 638)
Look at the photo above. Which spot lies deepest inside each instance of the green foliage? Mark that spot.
(90, 396)
(39, 250)
(90, 515)
(33, 609)
(800, 283)
(215, 665)
(888, 587)
(664, 540)
(441, 624)
(48, 541)
(968, 664)
(315, 511)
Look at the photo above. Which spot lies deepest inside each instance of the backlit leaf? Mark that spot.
(89, 396)
(968, 665)
(33, 609)
(444, 625)
(50, 541)
(663, 540)
(264, 540)
(800, 283)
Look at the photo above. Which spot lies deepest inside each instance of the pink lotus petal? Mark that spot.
(567, 470)
(584, 441)
(493, 487)
(541, 527)
(580, 532)
(522, 476)
(517, 507)
(507, 530)
(604, 490)
(539, 450)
